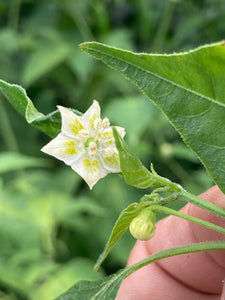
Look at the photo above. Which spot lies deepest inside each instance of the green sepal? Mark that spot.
(132, 168)
(121, 225)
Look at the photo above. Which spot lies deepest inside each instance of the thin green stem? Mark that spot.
(206, 246)
(163, 182)
(114, 281)
(203, 203)
(189, 197)
(169, 211)
(149, 199)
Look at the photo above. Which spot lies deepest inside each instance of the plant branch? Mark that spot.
(169, 211)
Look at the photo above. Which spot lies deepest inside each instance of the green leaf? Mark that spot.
(108, 287)
(16, 95)
(188, 88)
(119, 228)
(10, 161)
(133, 171)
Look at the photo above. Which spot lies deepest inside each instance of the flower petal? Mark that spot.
(89, 169)
(71, 123)
(110, 160)
(106, 138)
(64, 148)
(91, 115)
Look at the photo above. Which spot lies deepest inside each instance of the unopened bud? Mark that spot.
(142, 227)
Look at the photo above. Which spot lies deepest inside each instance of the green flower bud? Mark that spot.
(142, 227)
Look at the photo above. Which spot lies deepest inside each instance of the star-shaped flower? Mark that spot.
(86, 143)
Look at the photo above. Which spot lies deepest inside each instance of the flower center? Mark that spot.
(88, 141)
(92, 149)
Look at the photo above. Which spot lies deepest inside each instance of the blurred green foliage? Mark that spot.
(52, 228)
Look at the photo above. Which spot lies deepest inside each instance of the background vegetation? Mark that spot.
(52, 228)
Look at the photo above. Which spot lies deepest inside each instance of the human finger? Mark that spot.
(190, 276)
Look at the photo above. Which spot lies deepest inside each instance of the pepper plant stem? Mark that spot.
(206, 246)
(203, 204)
(169, 211)
(188, 196)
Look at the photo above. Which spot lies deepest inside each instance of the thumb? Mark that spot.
(195, 276)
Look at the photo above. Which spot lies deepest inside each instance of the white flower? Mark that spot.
(86, 143)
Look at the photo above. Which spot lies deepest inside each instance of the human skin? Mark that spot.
(194, 276)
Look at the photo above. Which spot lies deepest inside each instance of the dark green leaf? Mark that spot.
(188, 88)
(87, 290)
(16, 95)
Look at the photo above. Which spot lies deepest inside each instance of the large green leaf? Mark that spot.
(107, 288)
(188, 88)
